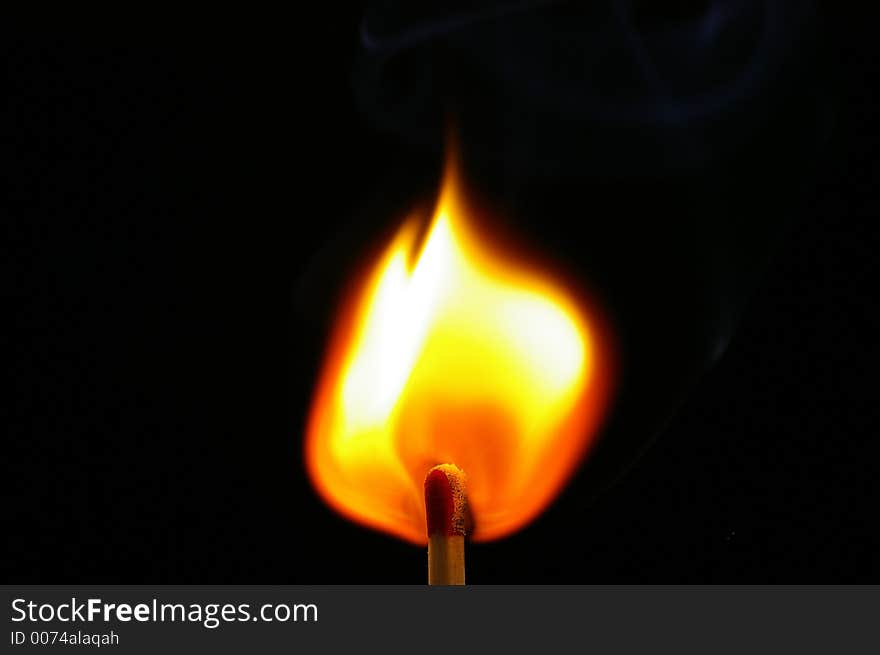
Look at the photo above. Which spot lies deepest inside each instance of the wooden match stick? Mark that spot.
(446, 510)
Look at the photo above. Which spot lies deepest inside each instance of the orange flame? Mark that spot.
(455, 354)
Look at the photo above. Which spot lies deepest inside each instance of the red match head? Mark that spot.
(446, 500)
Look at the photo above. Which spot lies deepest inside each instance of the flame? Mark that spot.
(452, 352)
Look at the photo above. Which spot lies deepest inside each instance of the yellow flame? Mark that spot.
(463, 356)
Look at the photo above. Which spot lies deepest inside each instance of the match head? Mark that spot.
(446, 501)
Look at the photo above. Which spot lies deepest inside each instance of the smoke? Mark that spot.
(632, 83)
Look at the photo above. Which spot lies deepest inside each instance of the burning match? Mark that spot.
(453, 350)
(446, 512)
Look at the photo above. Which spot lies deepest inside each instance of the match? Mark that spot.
(447, 517)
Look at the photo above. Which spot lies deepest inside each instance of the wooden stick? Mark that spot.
(446, 511)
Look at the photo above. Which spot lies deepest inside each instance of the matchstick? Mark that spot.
(446, 510)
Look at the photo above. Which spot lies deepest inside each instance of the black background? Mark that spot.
(166, 187)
